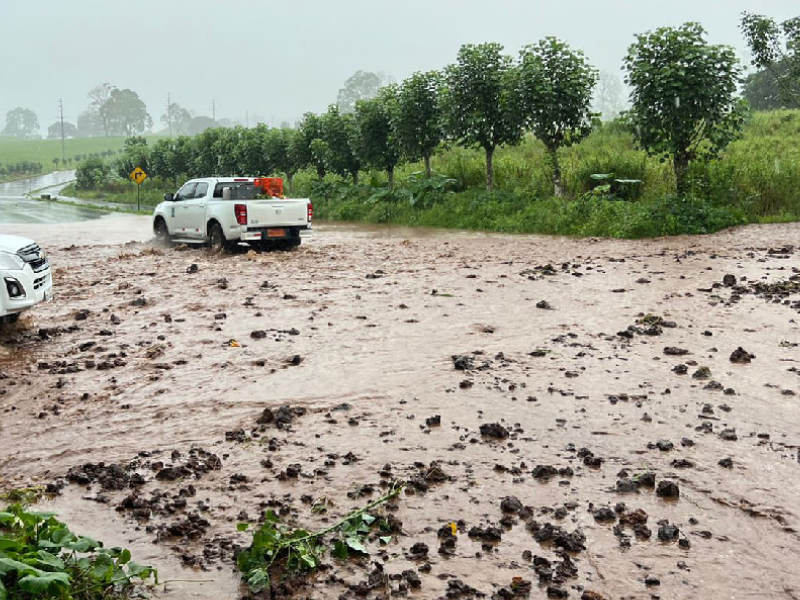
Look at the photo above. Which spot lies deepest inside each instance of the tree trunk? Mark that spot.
(289, 177)
(390, 172)
(489, 168)
(320, 172)
(355, 177)
(427, 160)
(557, 190)
(680, 164)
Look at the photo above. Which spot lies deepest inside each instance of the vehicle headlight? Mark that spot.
(11, 261)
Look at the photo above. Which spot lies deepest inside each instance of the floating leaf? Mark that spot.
(356, 544)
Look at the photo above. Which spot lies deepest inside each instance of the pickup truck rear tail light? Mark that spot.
(310, 212)
(241, 213)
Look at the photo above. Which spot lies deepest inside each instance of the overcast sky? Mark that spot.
(281, 59)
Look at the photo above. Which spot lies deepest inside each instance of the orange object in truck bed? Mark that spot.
(272, 186)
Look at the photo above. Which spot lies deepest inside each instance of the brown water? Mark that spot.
(376, 343)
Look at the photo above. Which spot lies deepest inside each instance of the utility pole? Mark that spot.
(214, 112)
(61, 111)
(169, 114)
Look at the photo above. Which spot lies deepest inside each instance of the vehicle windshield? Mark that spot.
(240, 190)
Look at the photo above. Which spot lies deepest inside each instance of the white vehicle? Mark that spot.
(223, 211)
(25, 277)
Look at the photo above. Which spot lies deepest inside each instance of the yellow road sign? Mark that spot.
(138, 175)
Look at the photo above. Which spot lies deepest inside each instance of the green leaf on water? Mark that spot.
(258, 580)
(242, 526)
(356, 544)
(339, 549)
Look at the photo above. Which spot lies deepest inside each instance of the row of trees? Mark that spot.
(485, 99)
(18, 169)
(684, 107)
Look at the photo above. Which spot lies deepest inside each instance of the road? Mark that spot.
(476, 367)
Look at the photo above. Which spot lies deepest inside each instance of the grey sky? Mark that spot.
(281, 59)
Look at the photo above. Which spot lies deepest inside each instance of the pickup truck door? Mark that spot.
(195, 212)
(176, 213)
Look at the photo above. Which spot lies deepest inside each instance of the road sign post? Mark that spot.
(138, 175)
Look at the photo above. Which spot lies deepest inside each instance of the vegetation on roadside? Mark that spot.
(301, 551)
(40, 558)
(511, 145)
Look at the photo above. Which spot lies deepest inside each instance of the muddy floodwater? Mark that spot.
(598, 418)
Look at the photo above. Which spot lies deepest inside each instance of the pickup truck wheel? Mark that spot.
(217, 239)
(291, 243)
(161, 232)
(9, 319)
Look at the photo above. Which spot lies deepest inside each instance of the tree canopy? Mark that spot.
(22, 123)
(124, 113)
(362, 85)
(555, 94)
(480, 106)
(776, 49)
(684, 100)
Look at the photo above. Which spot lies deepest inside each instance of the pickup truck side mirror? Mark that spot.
(168, 197)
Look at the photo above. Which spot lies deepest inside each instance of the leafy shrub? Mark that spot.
(91, 173)
(40, 558)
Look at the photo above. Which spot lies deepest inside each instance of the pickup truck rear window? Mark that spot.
(239, 190)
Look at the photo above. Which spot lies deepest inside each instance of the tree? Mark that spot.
(480, 106)
(124, 113)
(278, 146)
(22, 123)
(91, 173)
(776, 49)
(418, 121)
(683, 97)
(555, 94)
(376, 140)
(199, 124)
(176, 119)
(608, 100)
(362, 85)
(251, 151)
(90, 124)
(339, 133)
(54, 131)
(98, 96)
(135, 153)
(307, 153)
(762, 92)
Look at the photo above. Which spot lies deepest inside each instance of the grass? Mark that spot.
(13, 151)
(121, 192)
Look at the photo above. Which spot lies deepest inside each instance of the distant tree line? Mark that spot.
(20, 169)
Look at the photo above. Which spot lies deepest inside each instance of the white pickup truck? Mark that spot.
(223, 211)
(25, 277)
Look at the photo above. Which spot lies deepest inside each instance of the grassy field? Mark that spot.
(13, 150)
